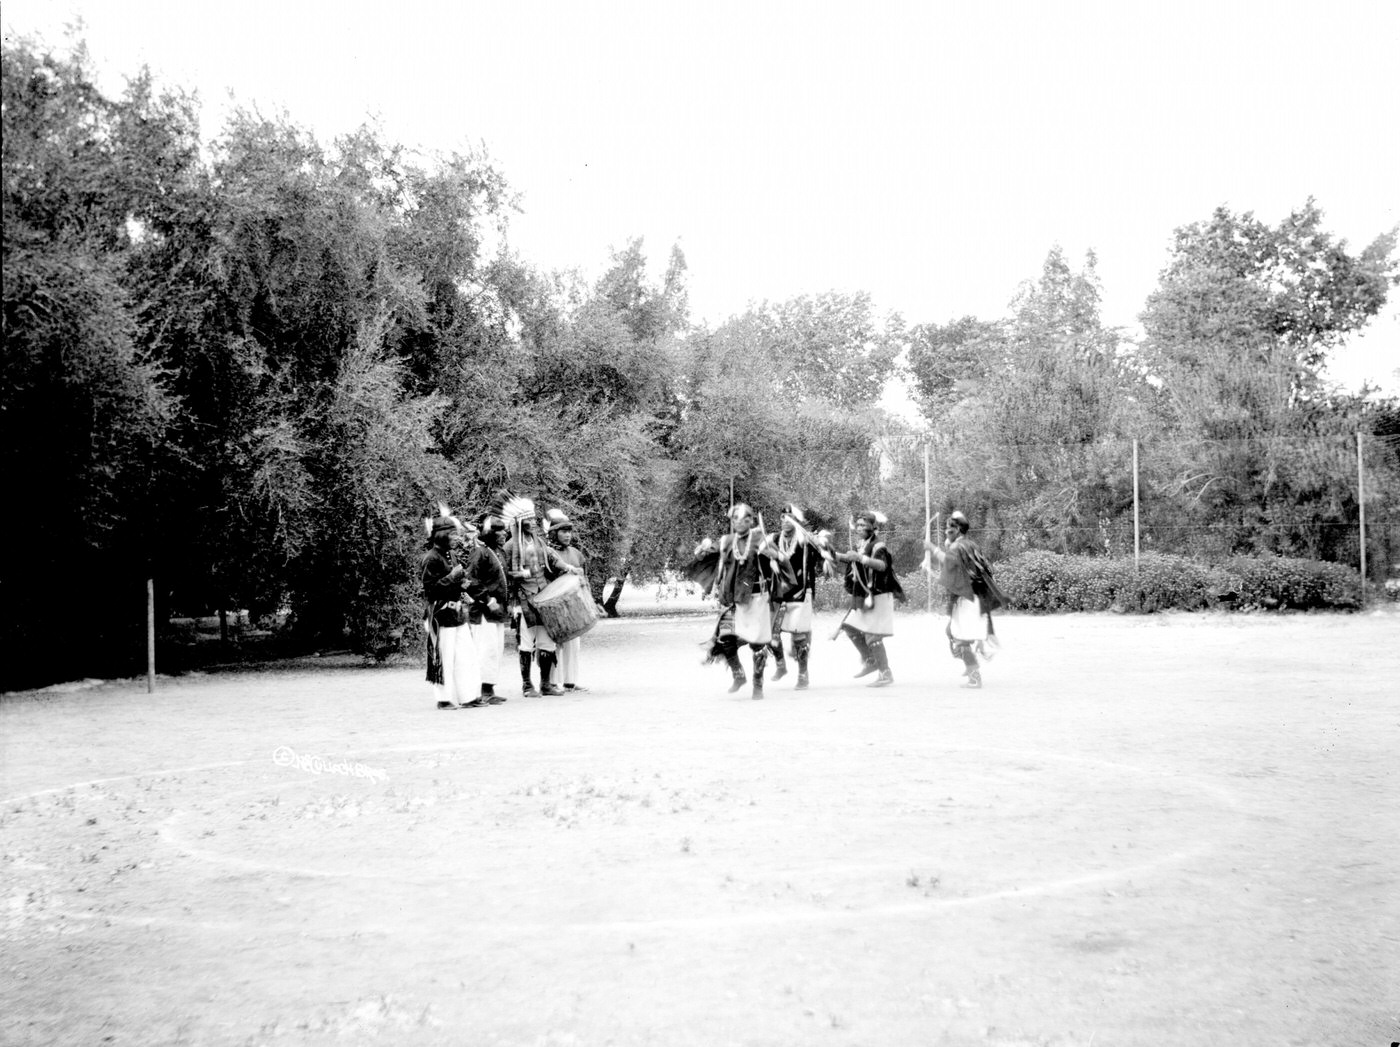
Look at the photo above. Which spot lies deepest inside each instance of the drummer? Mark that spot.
(559, 532)
(531, 565)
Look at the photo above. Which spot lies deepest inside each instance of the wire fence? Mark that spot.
(1332, 497)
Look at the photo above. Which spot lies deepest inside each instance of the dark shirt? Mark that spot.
(806, 562)
(486, 579)
(439, 587)
(861, 580)
(966, 573)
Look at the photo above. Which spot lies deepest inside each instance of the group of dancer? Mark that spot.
(479, 575)
(766, 584)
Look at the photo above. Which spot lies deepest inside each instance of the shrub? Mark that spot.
(1273, 582)
(1047, 583)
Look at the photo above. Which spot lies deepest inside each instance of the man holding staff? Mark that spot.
(873, 589)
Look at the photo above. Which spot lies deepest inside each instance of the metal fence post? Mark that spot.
(1361, 502)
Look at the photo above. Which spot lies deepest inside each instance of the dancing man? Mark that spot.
(452, 662)
(743, 570)
(559, 531)
(805, 555)
(873, 589)
(972, 596)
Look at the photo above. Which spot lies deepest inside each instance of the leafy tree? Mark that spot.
(1235, 338)
(1035, 412)
(83, 411)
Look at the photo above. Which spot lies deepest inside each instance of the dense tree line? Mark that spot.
(246, 367)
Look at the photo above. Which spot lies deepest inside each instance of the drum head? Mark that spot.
(561, 585)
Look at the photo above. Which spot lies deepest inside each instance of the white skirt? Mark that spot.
(967, 621)
(753, 621)
(877, 620)
(797, 617)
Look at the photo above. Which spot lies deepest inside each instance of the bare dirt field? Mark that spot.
(1169, 830)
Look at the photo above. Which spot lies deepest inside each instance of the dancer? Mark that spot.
(873, 589)
(972, 596)
(452, 663)
(743, 569)
(806, 555)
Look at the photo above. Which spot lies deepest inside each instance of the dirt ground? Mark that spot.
(1169, 830)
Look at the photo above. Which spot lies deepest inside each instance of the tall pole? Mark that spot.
(731, 494)
(1361, 501)
(1137, 530)
(928, 506)
(150, 636)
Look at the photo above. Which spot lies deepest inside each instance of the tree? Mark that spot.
(1034, 413)
(1236, 335)
(83, 411)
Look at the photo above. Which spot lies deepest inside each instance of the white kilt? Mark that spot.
(753, 621)
(797, 617)
(967, 622)
(878, 620)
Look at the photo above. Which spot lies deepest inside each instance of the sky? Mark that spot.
(928, 153)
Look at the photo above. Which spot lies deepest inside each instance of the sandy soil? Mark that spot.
(1166, 830)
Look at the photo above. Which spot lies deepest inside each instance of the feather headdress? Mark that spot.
(443, 521)
(517, 509)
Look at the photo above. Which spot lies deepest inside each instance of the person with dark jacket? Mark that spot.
(972, 596)
(807, 554)
(747, 574)
(452, 664)
(488, 596)
(873, 589)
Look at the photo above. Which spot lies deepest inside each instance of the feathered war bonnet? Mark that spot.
(795, 511)
(516, 511)
(557, 520)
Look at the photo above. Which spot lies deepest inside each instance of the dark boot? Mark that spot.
(731, 659)
(488, 691)
(777, 648)
(867, 661)
(882, 662)
(801, 649)
(527, 689)
(547, 686)
(760, 661)
(968, 654)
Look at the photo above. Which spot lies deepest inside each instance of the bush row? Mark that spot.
(1044, 582)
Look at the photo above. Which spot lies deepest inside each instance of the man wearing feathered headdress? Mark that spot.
(452, 663)
(531, 565)
(748, 575)
(873, 589)
(807, 555)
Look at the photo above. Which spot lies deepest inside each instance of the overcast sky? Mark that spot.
(929, 153)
